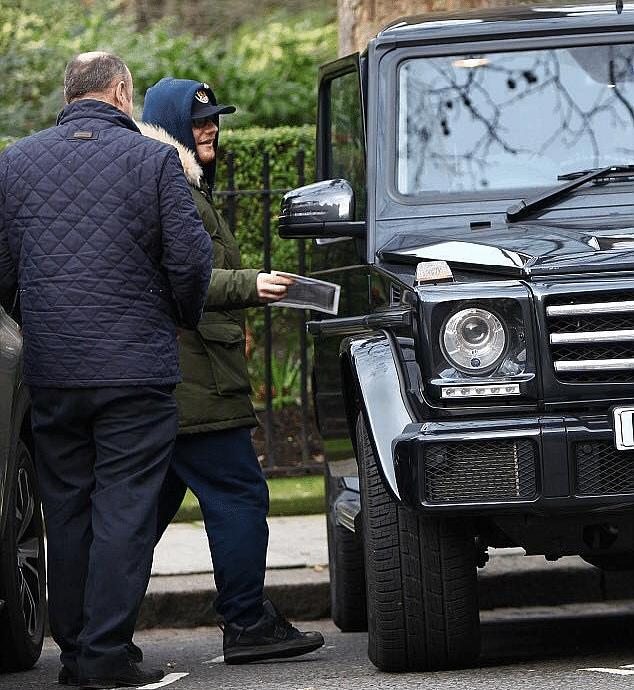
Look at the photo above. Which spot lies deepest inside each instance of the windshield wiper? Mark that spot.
(579, 173)
(525, 207)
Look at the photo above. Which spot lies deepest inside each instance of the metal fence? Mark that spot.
(272, 464)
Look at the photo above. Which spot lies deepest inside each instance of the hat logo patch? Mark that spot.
(201, 96)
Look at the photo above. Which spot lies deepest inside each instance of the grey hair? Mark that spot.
(92, 73)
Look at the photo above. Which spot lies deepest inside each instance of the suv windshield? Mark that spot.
(502, 121)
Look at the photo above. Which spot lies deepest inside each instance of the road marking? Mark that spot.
(167, 680)
(622, 671)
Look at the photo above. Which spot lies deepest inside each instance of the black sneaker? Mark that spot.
(272, 637)
(130, 676)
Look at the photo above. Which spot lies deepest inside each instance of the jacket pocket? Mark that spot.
(224, 344)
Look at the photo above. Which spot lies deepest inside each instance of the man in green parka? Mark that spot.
(214, 454)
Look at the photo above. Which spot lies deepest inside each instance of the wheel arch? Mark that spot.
(372, 384)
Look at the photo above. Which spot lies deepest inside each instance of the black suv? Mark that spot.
(475, 203)
(22, 561)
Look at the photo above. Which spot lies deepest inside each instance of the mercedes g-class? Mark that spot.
(475, 202)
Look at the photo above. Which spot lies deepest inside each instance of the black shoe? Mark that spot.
(272, 637)
(65, 677)
(128, 677)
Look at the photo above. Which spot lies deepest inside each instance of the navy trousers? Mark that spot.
(224, 474)
(101, 456)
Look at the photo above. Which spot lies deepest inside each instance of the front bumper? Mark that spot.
(545, 464)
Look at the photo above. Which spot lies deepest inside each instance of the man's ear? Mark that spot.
(121, 93)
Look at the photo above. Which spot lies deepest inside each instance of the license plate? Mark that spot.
(624, 428)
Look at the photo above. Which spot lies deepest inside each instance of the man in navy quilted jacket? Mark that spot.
(100, 234)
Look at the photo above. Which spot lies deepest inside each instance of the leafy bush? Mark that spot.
(285, 377)
(220, 18)
(269, 73)
(36, 40)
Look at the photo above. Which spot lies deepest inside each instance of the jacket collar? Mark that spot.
(92, 108)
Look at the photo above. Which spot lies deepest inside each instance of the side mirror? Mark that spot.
(320, 210)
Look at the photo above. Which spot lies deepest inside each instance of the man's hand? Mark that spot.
(272, 287)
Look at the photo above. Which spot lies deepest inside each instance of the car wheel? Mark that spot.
(421, 580)
(346, 568)
(22, 568)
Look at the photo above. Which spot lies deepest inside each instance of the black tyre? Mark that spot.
(346, 568)
(421, 581)
(22, 569)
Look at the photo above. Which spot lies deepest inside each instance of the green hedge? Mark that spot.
(282, 145)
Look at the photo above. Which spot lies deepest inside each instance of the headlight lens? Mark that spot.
(473, 340)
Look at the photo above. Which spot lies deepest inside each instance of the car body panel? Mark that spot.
(14, 398)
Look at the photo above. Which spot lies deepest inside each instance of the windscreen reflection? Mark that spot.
(477, 123)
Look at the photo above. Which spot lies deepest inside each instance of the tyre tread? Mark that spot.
(421, 575)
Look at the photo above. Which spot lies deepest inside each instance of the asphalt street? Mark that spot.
(580, 647)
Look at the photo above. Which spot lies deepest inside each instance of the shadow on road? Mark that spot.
(549, 634)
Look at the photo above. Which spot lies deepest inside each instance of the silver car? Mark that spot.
(22, 560)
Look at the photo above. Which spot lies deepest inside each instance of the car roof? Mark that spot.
(508, 21)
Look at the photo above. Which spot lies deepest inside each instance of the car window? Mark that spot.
(346, 157)
(494, 121)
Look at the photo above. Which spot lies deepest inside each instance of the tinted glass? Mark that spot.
(347, 154)
(471, 123)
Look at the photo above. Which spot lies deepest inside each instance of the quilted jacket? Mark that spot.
(99, 229)
(215, 392)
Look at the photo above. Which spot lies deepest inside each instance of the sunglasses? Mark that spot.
(199, 122)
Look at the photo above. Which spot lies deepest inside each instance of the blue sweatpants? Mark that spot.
(223, 472)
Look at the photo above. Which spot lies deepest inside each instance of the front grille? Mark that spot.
(591, 337)
(482, 470)
(602, 469)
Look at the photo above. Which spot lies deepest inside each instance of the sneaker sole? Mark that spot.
(270, 651)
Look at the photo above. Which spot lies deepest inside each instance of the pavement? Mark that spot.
(181, 590)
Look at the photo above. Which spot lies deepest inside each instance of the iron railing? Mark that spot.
(272, 465)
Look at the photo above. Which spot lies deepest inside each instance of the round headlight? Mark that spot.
(473, 340)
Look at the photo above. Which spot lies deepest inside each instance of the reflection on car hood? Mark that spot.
(527, 250)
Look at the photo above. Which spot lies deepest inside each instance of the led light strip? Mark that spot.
(480, 391)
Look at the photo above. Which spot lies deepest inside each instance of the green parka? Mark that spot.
(215, 391)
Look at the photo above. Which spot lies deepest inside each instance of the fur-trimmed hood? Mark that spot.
(191, 166)
(168, 104)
